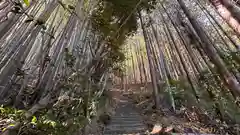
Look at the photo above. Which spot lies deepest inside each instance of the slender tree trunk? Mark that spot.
(185, 66)
(163, 68)
(211, 52)
(138, 62)
(152, 73)
(215, 22)
(235, 10)
(226, 15)
(142, 62)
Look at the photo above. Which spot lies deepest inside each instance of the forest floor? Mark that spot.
(184, 120)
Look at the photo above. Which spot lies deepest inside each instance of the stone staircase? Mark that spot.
(125, 121)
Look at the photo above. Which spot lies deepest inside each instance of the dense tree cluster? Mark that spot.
(192, 57)
(58, 58)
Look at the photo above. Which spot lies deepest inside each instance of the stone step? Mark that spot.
(190, 134)
(126, 133)
(125, 130)
(126, 110)
(126, 118)
(143, 133)
(127, 113)
(115, 120)
(139, 125)
(129, 105)
(137, 133)
(125, 122)
(123, 127)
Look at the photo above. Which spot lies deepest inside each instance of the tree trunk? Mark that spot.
(226, 15)
(152, 71)
(233, 84)
(234, 9)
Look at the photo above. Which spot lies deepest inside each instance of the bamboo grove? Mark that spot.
(59, 57)
(56, 60)
(47, 60)
(189, 51)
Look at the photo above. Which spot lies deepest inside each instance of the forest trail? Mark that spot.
(65, 65)
(131, 119)
(126, 119)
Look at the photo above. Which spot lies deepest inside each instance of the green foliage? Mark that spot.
(218, 101)
(215, 100)
(62, 119)
(26, 2)
(77, 105)
(69, 58)
(208, 82)
(113, 16)
(11, 113)
(170, 91)
(115, 21)
(180, 92)
(232, 59)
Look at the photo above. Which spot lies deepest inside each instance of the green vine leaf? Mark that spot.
(34, 120)
(26, 2)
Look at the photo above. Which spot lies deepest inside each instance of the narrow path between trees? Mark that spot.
(126, 120)
(129, 119)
